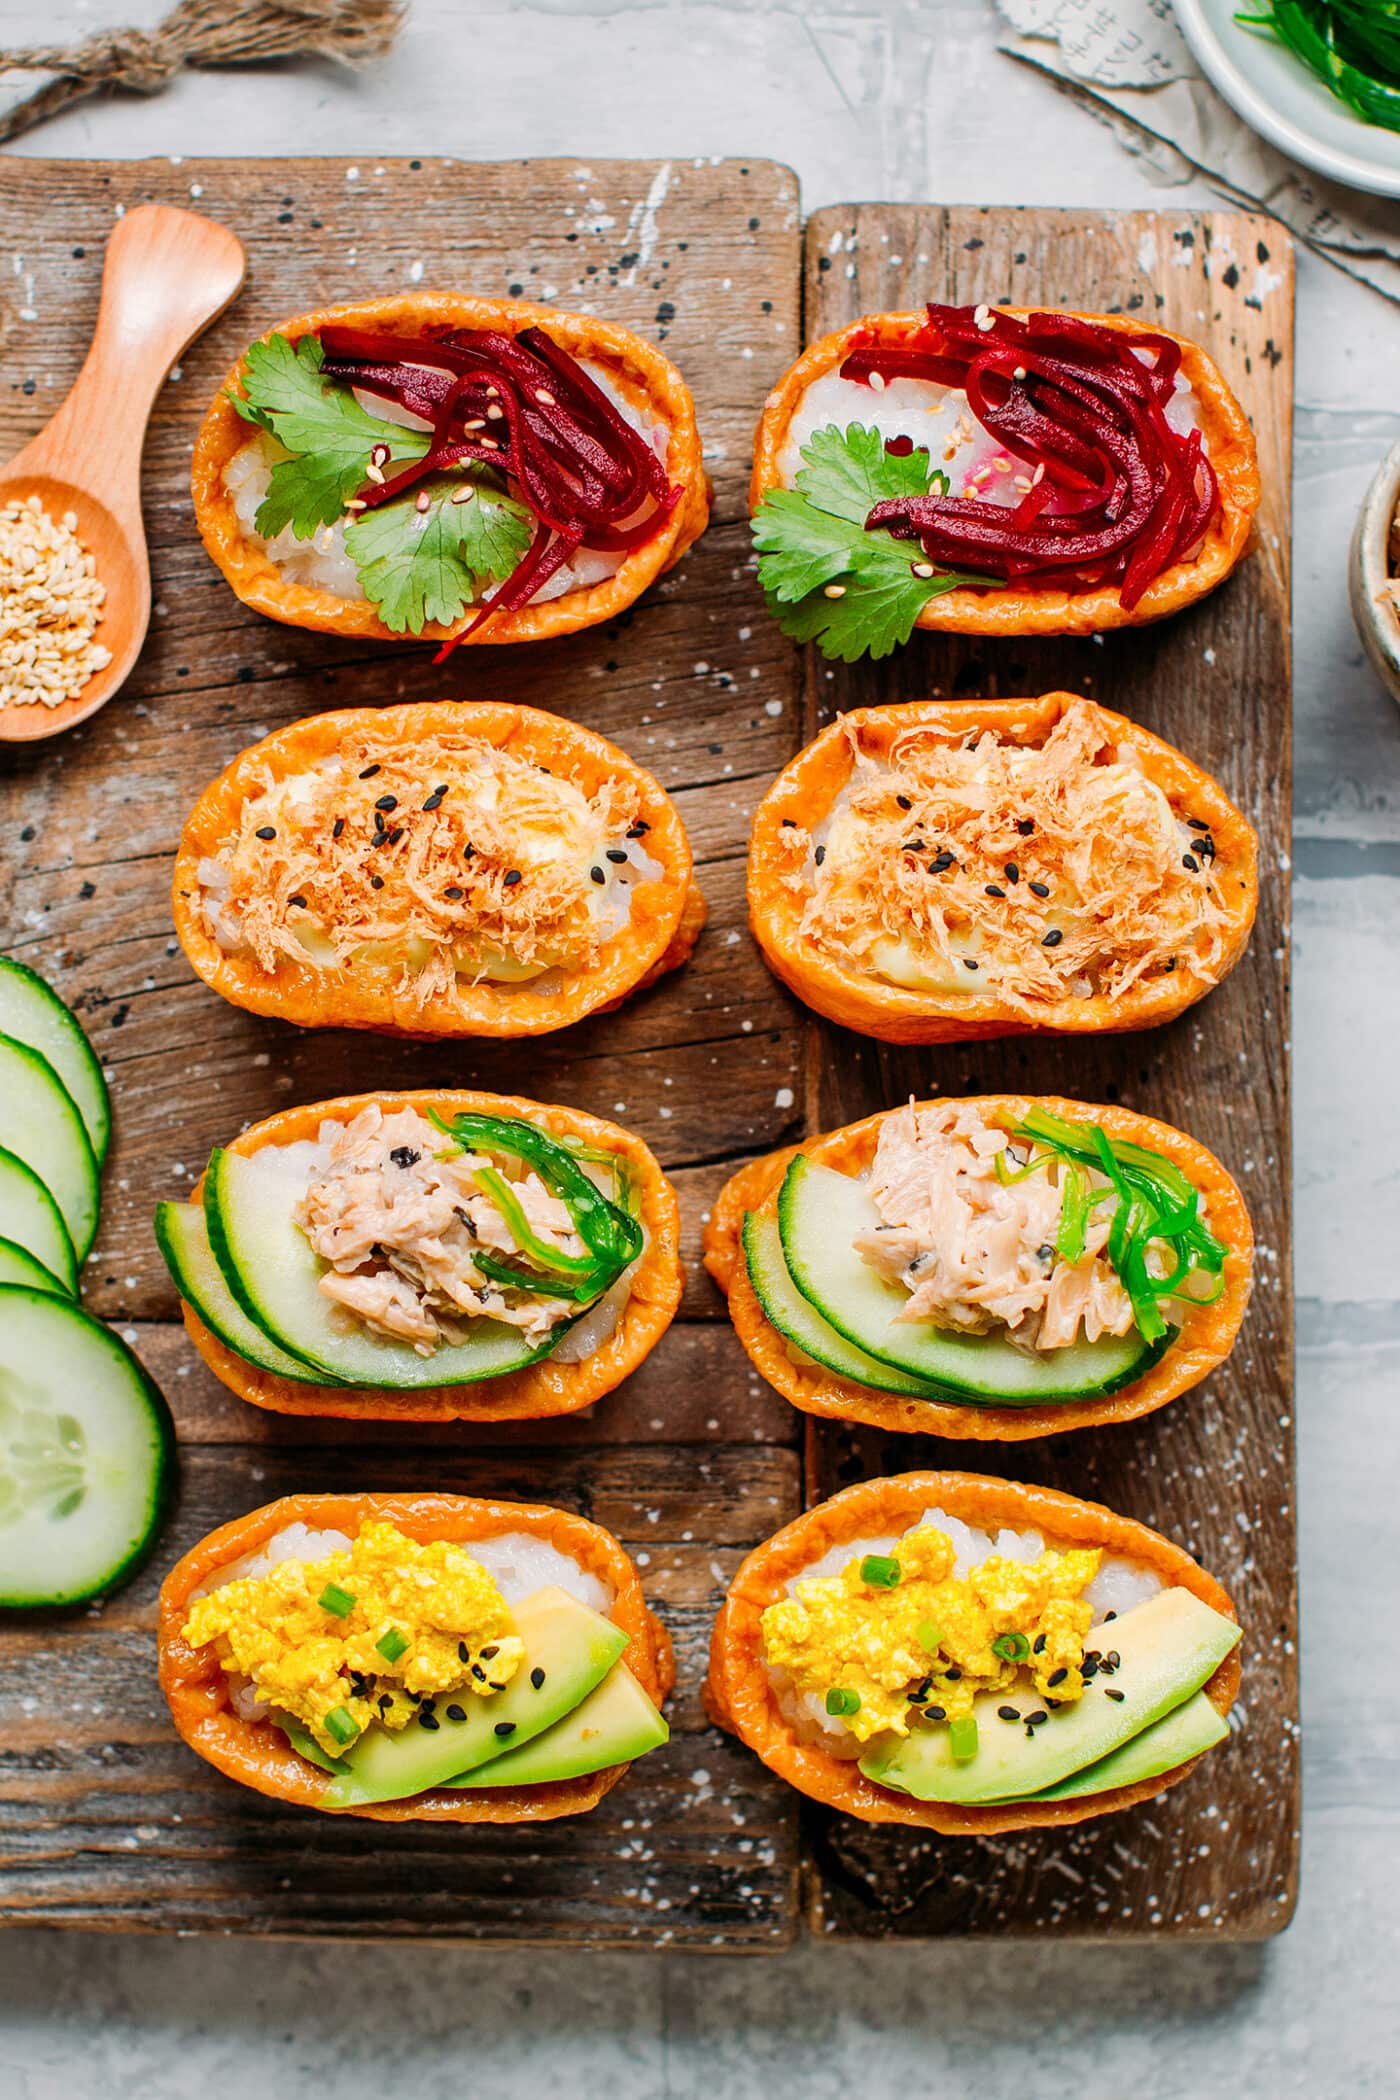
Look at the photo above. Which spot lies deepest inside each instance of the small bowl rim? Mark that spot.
(1377, 620)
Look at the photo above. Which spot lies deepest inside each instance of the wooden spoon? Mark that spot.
(167, 274)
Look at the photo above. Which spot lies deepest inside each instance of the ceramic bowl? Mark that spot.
(1373, 608)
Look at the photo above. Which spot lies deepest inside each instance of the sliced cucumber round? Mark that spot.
(39, 1122)
(30, 1217)
(182, 1235)
(17, 1265)
(801, 1324)
(87, 1454)
(820, 1214)
(271, 1271)
(32, 1012)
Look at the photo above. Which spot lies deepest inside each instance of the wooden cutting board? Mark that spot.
(107, 1818)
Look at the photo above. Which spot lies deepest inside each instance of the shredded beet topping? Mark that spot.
(1130, 495)
(521, 404)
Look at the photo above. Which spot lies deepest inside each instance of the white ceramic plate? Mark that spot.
(1275, 93)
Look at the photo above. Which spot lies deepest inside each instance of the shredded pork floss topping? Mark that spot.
(397, 1214)
(441, 857)
(977, 1256)
(1036, 873)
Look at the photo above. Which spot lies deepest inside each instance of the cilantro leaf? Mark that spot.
(426, 567)
(325, 434)
(845, 473)
(812, 539)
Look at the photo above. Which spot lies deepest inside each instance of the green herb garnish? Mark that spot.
(880, 1571)
(826, 578)
(962, 1738)
(341, 1724)
(337, 1601)
(417, 566)
(839, 1700)
(391, 1645)
(1353, 47)
(1011, 1647)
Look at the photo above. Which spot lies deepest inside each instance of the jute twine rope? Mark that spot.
(198, 33)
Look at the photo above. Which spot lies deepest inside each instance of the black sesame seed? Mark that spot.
(1034, 1720)
(1169, 965)
(337, 827)
(1053, 938)
(1013, 873)
(1026, 826)
(505, 1728)
(488, 1654)
(405, 1156)
(1113, 1659)
(1109, 1617)
(994, 890)
(969, 964)
(597, 875)
(456, 1713)
(789, 824)
(914, 846)
(387, 802)
(513, 876)
(266, 831)
(454, 891)
(537, 1678)
(1038, 1647)
(385, 1701)
(1109, 1693)
(370, 772)
(1198, 823)
(478, 1673)
(936, 1713)
(617, 856)
(494, 1686)
(428, 1720)
(1046, 1253)
(395, 835)
(820, 855)
(1089, 1667)
(376, 882)
(469, 851)
(298, 899)
(1189, 860)
(1057, 1676)
(638, 830)
(953, 1675)
(904, 802)
(434, 800)
(1040, 889)
(464, 1653)
(942, 863)
(1008, 1713)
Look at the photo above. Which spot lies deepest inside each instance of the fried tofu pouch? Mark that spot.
(1205, 1341)
(1024, 609)
(739, 1697)
(637, 368)
(805, 790)
(259, 1756)
(538, 1390)
(665, 921)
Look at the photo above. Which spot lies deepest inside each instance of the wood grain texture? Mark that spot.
(1217, 1857)
(107, 1819)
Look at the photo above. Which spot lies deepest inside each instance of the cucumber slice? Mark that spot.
(32, 1220)
(19, 1266)
(183, 1238)
(39, 1122)
(271, 1271)
(31, 1012)
(786, 1309)
(87, 1454)
(820, 1212)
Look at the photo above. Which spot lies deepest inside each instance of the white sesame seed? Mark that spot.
(834, 590)
(422, 500)
(921, 569)
(877, 381)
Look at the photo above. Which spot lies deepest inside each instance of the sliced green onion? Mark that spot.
(341, 1724)
(962, 1738)
(336, 1600)
(841, 1700)
(1011, 1647)
(391, 1645)
(928, 1635)
(880, 1571)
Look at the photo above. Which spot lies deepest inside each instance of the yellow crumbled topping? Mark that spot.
(844, 1633)
(1034, 873)
(310, 1658)
(484, 863)
(51, 600)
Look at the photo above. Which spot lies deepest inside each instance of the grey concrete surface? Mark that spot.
(873, 98)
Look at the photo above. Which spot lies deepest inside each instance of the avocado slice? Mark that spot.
(1167, 1647)
(615, 1723)
(1182, 1734)
(568, 1646)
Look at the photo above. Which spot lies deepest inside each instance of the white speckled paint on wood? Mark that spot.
(898, 100)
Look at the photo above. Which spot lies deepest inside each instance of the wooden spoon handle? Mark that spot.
(167, 274)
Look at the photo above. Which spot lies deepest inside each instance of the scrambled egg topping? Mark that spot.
(924, 1642)
(375, 1634)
